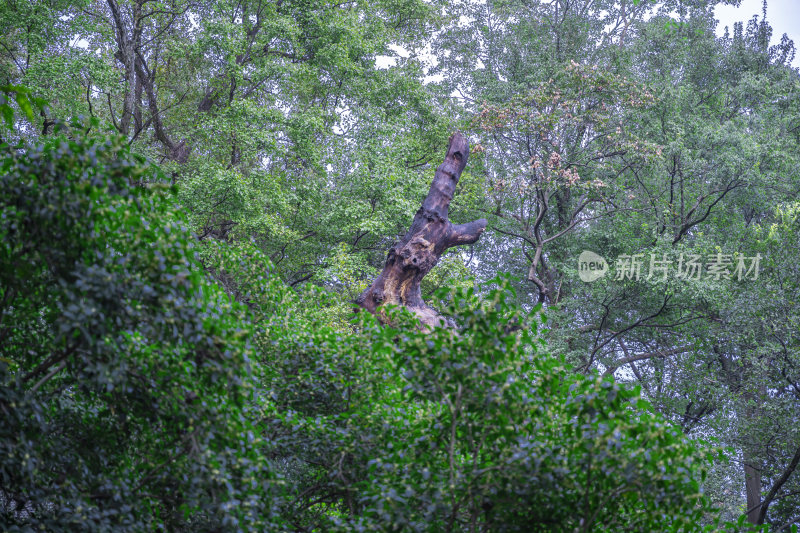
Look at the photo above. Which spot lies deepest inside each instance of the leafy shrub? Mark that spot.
(392, 428)
(148, 382)
(124, 373)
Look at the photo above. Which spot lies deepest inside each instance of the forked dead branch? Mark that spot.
(431, 233)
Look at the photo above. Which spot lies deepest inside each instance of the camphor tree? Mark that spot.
(125, 375)
(270, 115)
(609, 131)
(730, 165)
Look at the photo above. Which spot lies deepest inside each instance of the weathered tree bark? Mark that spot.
(431, 233)
(752, 486)
(752, 464)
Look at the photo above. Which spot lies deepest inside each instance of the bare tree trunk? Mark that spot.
(752, 463)
(431, 233)
(126, 55)
(752, 485)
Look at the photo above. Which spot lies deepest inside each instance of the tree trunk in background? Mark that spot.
(752, 462)
(431, 233)
(752, 485)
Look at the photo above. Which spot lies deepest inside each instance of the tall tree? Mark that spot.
(609, 131)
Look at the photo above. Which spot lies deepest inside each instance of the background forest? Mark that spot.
(194, 192)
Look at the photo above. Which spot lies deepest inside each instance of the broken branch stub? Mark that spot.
(431, 233)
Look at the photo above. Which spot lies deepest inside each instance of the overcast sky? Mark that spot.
(782, 15)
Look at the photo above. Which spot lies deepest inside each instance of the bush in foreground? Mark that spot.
(139, 392)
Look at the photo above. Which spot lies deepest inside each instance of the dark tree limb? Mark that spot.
(762, 514)
(431, 233)
(612, 367)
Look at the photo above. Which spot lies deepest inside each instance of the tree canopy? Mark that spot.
(194, 193)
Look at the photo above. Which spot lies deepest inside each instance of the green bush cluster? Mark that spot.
(125, 375)
(148, 382)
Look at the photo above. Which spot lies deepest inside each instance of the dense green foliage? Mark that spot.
(179, 259)
(132, 397)
(125, 374)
